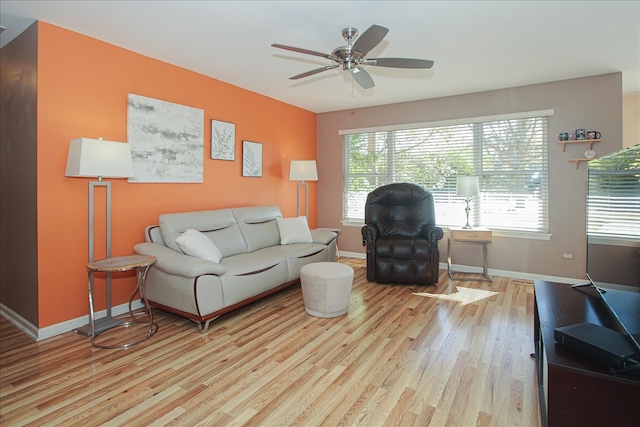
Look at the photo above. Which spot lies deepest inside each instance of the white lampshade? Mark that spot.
(303, 170)
(468, 186)
(90, 158)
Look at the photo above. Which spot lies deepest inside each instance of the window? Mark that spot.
(508, 153)
(613, 204)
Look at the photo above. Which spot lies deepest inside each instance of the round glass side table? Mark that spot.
(141, 264)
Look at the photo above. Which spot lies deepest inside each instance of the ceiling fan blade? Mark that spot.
(312, 72)
(362, 78)
(306, 51)
(399, 62)
(370, 39)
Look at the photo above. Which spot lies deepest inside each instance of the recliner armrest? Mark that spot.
(369, 234)
(176, 263)
(434, 234)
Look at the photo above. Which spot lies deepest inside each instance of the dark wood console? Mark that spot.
(576, 390)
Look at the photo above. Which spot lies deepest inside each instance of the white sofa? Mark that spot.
(254, 263)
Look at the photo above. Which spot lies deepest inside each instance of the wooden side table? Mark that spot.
(469, 235)
(141, 265)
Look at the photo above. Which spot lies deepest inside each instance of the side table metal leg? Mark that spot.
(485, 265)
(92, 324)
(133, 294)
(142, 277)
(103, 323)
(449, 257)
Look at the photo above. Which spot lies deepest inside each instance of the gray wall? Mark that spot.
(590, 102)
(18, 185)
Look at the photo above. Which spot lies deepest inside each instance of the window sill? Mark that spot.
(613, 241)
(496, 233)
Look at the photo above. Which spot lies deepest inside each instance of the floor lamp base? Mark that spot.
(108, 321)
(306, 197)
(101, 325)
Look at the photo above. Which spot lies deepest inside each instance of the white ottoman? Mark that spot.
(326, 288)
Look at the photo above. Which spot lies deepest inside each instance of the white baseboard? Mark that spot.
(60, 328)
(20, 322)
(352, 255)
(493, 272)
(511, 274)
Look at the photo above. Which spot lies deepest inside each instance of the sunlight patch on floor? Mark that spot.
(463, 295)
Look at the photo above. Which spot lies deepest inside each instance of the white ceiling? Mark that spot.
(476, 45)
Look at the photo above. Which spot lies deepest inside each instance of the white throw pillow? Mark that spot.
(294, 230)
(194, 243)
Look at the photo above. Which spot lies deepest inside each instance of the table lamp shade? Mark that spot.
(90, 158)
(303, 170)
(468, 186)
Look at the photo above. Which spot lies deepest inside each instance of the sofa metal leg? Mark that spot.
(203, 327)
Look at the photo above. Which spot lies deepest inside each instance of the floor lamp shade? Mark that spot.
(97, 158)
(303, 170)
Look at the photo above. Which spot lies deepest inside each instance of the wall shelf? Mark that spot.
(578, 141)
(577, 161)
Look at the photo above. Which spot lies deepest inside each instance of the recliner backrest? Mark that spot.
(400, 210)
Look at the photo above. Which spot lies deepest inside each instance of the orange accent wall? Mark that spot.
(82, 92)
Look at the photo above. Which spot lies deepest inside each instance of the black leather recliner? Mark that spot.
(401, 235)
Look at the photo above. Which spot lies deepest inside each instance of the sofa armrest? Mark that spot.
(323, 236)
(173, 262)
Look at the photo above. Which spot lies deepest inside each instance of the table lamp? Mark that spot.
(468, 186)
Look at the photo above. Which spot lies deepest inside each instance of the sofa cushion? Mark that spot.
(194, 243)
(218, 225)
(258, 226)
(294, 230)
(253, 262)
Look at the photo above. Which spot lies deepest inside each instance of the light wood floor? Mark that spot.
(396, 359)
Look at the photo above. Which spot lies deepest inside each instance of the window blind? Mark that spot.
(509, 155)
(613, 203)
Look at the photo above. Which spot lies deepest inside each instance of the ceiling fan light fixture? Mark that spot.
(352, 56)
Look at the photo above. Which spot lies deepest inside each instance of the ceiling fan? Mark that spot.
(352, 56)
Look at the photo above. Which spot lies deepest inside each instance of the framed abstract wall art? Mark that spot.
(166, 141)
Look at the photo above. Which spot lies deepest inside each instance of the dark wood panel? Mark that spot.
(577, 389)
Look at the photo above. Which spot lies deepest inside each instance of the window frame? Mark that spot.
(386, 176)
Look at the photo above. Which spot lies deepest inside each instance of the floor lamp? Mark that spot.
(97, 158)
(303, 170)
(467, 186)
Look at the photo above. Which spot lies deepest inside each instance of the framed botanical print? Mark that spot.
(251, 158)
(223, 140)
